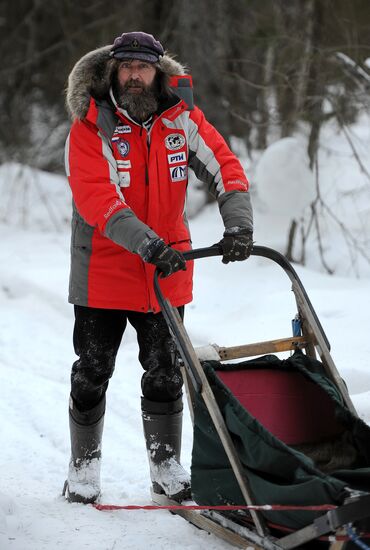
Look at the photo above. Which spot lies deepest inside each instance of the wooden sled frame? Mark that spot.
(315, 343)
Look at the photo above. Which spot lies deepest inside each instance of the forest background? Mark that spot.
(263, 70)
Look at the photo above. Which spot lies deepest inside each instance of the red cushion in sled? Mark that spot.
(290, 406)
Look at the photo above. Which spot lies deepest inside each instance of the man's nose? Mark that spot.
(135, 73)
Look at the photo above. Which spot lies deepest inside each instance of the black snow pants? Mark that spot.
(97, 336)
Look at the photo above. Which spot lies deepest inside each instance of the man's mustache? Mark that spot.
(134, 84)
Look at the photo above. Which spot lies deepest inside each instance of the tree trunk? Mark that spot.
(266, 97)
(316, 90)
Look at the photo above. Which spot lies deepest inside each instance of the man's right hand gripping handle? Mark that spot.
(166, 259)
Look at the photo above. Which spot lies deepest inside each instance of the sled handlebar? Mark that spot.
(208, 252)
(310, 322)
(262, 251)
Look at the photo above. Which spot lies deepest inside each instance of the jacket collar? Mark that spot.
(103, 113)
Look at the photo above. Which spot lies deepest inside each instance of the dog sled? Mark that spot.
(280, 457)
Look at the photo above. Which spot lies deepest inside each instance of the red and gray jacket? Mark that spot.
(129, 186)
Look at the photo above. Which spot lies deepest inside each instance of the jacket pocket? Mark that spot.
(81, 234)
(180, 235)
(181, 241)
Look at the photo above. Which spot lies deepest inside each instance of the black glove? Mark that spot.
(166, 259)
(236, 245)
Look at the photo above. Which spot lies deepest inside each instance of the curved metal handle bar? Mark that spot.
(197, 253)
(262, 251)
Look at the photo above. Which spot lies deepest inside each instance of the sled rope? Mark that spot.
(262, 507)
(356, 539)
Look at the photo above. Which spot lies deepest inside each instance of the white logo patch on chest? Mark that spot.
(125, 164)
(123, 129)
(123, 147)
(174, 158)
(179, 173)
(124, 179)
(174, 141)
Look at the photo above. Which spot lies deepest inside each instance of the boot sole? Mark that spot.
(74, 497)
(184, 494)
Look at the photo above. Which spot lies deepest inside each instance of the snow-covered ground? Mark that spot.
(233, 304)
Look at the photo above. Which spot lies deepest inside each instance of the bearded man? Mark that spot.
(127, 157)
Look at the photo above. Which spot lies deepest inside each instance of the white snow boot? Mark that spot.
(162, 424)
(86, 430)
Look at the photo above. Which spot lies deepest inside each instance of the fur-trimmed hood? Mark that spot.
(92, 75)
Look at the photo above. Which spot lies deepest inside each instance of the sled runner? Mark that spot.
(280, 457)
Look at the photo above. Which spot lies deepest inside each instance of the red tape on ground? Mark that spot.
(270, 507)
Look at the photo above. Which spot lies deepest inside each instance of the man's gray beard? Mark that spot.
(139, 106)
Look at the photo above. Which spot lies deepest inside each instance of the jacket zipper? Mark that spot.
(147, 144)
(150, 308)
(147, 158)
